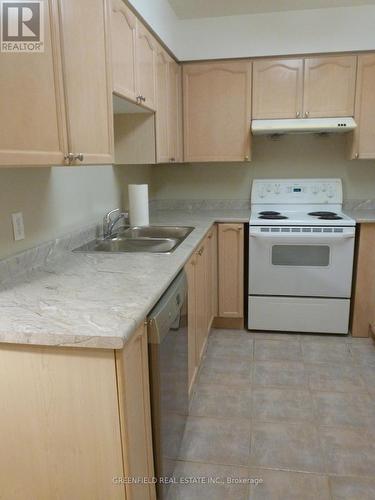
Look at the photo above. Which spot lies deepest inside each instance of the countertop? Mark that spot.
(98, 300)
(361, 215)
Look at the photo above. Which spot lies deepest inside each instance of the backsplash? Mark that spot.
(35, 257)
(194, 204)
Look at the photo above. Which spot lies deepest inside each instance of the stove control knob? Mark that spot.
(277, 189)
(315, 189)
(323, 188)
(269, 188)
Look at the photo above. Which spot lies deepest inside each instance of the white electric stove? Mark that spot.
(301, 249)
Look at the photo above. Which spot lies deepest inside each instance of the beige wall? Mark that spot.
(53, 201)
(134, 174)
(291, 156)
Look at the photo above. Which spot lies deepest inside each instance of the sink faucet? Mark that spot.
(109, 223)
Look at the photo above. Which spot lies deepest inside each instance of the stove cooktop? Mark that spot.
(290, 217)
(298, 202)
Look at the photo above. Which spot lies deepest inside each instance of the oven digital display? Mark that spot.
(297, 190)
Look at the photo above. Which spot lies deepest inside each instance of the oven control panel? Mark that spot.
(312, 191)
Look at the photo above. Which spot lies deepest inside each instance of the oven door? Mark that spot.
(311, 262)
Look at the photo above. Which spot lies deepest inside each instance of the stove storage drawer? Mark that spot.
(301, 264)
(299, 314)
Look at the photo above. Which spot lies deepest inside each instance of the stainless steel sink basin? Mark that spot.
(175, 232)
(150, 239)
(120, 245)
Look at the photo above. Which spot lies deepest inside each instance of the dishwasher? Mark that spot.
(168, 361)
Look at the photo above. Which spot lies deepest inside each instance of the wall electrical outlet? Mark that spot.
(18, 227)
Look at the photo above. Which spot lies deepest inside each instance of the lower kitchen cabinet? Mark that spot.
(363, 315)
(202, 276)
(73, 420)
(190, 269)
(201, 295)
(135, 415)
(231, 274)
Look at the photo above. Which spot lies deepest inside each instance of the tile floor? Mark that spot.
(295, 411)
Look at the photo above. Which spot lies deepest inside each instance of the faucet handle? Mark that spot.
(107, 220)
(110, 213)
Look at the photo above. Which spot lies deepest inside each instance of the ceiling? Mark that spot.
(190, 9)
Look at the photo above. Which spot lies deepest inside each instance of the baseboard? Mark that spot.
(228, 323)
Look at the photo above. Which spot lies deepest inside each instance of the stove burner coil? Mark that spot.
(273, 217)
(330, 217)
(269, 212)
(322, 214)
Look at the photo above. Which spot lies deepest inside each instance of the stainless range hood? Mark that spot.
(303, 126)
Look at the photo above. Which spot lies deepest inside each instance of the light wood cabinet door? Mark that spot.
(59, 424)
(217, 111)
(32, 107)
(87, 79)
(214, 271)
(329, 86)
(123, 31)
(190, 270)
(364, 289)
(201, 301)
(135, 415)
(277, 88)
(162, 117)
(364, 135)
(146, 66)
(211, 244)
(231, 270)
(175, 112)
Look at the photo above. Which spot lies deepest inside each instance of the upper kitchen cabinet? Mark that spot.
(169, 109)
(329, 86)
(146, 51)
(87, 81)
(364, 135)
(315, 87)
(32, 105)
(162, 121)
(123, 31)
(217, 111)
(277, 88)
(175, 112)
(56, 105)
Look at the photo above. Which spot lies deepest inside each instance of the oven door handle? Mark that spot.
(321, 236)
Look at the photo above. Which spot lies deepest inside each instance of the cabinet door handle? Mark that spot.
(298, 114)
(172, 160)
(356, 156)
(139, 98)
(306, 114)
(69, 157)
(79, 157)
(246, 158)
(200, 251)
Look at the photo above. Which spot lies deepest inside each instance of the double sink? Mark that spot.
(149, 239)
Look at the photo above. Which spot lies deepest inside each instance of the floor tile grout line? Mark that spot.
(276, 469)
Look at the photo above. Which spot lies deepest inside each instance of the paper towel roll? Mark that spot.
(138, 204)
